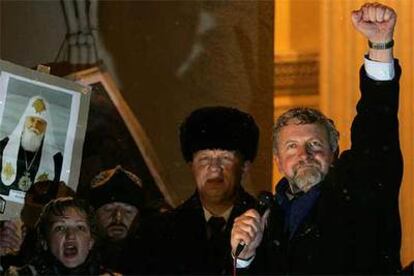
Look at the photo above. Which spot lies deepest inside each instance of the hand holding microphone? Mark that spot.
(248, 229)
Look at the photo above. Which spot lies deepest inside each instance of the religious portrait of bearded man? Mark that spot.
(30, 154)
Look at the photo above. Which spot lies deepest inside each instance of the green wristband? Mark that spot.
(381, 45)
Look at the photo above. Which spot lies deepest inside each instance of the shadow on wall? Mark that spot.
(173, 57)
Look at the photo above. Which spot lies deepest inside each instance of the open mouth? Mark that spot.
(216, 180)
(70, 250)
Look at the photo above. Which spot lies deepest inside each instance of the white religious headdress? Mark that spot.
(37, 107)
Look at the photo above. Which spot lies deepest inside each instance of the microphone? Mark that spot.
(265, 201)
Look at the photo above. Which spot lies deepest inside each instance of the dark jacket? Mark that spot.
(179, 243)
(353, 227)
(46, 264)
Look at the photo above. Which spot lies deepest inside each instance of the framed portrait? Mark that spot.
(115, 137)
(42, 127)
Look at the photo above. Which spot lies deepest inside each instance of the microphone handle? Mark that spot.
(265, 201)
(239, 248)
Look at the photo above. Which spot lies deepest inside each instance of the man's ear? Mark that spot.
(190, 165)
(43, 243)
(246, 166)
(278, 163)
(91, 243)
(336, 154)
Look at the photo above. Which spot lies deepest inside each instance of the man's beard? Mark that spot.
(119, 234)
(305, 176)
(31, 141)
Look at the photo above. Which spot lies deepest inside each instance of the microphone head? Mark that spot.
(265, 201)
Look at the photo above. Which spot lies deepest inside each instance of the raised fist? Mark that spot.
(375, 21)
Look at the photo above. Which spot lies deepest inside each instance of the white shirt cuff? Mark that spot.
(244, 263)
(380, 71)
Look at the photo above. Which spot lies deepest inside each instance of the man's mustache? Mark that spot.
(120, 224)
(309, 163)
(34, 130)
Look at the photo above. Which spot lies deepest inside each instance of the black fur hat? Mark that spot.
(116, 185)
(219, 127)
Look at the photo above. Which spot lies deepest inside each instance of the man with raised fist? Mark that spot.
(335, 214)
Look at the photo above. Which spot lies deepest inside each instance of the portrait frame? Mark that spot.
(111, 95)
(64, 106)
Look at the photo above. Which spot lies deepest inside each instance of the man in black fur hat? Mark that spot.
(117, 196)
(219, 144)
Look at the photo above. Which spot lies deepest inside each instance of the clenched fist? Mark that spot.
(375, 21)
(10, 237)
